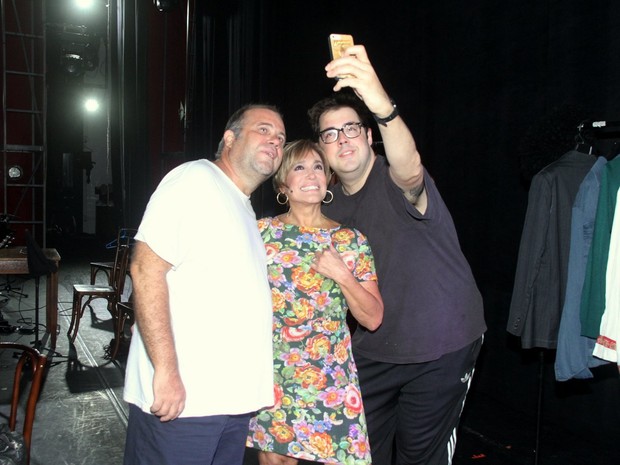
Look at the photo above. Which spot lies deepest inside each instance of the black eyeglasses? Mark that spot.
(350, 130)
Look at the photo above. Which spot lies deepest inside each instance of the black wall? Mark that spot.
(470, 78)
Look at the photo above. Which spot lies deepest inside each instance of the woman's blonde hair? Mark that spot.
(293, 153)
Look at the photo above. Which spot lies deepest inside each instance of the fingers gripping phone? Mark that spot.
(338, 43)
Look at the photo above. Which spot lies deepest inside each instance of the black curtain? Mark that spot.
(473, 80)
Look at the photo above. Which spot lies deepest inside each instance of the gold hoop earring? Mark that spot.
(279, 200)
(326, 202)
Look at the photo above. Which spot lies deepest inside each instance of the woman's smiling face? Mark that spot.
(306, 181)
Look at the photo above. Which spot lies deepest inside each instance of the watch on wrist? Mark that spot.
(390, 117)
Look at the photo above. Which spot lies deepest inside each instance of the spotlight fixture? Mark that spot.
(79, 47)
(15, 172)
(91, 105)
(72, 64)
(165, 5)
(84, 3)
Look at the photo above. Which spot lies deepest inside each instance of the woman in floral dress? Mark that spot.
(318, 270)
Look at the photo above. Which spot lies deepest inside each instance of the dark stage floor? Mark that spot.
(81, 417)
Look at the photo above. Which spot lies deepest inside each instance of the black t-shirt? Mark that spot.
(432, 304)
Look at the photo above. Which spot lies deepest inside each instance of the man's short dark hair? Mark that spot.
(344, 99)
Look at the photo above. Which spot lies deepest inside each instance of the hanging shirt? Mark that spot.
(606, 344)
(593, 295)
(542, 265)
(574, 352)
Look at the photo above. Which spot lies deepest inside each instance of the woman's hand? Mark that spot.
(363, 298)
(329, 263)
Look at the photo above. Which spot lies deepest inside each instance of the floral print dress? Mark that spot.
(318, 413)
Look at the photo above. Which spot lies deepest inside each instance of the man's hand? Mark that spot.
(169, 395)
(362, 79)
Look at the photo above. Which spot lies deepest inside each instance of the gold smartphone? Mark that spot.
(338, 43)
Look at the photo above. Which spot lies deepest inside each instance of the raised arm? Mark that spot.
(363, 298)
(152, 311)
(400, 149)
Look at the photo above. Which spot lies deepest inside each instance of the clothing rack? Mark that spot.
(600, 125)
(593, 137)
(602, 134)
(596, 128)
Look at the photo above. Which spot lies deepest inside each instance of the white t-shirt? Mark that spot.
(220, 301)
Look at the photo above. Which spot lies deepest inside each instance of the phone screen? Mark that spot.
(338, 43)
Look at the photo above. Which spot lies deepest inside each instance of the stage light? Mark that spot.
(91, 105)
(165, 5)
(72, 64)
(15, 172)
(84, 4)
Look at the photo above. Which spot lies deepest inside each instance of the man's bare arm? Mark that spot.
(401, 151)
(152, 311)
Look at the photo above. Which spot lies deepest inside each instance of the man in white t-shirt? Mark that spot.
(200, 360)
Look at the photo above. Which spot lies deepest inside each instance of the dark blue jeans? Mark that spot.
(212, 440)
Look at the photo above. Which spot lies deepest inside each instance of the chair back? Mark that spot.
(38, 263)
(30, 359)
(118, 274)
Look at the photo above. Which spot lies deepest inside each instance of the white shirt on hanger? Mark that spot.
(606, 346)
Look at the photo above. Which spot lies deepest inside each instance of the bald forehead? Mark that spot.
(264, 116)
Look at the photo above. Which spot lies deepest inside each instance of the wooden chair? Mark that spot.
(106, 267)
(123, 314)
(111, 292)
(100, 267)
(30, 359)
